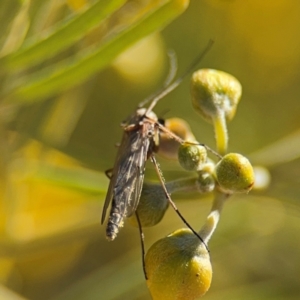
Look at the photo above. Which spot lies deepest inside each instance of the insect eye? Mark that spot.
(161, 121)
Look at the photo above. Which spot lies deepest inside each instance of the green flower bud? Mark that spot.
(154, 203)
(178, 267)
(215, 92)
(234, 173)
(205, 182)
(191, 157)
(168, 147)
(152, 206)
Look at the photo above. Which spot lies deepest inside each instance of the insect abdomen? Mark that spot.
(114, 222)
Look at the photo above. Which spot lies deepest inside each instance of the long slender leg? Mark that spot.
(181, 141)
(158, 171)
(142, 239)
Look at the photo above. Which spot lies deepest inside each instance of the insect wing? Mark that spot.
(141, 157)
(128, 174)
(109, 196)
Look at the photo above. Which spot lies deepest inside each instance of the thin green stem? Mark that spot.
(213, 218)
(221, 133)
(180, 185)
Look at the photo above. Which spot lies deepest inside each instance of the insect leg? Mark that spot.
(158, 171)
(181, 141)
(142, 239)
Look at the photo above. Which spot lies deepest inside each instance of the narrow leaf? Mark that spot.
(64, 77)
(62, 37)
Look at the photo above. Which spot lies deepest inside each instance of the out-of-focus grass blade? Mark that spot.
(83, 180)
(8, 11)
(282, 151)
(99, 285)
(18, 29)
(86, 229)
(7, 294)
(61, 37)
(64, 76)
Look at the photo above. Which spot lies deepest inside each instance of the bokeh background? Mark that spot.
(54, 150)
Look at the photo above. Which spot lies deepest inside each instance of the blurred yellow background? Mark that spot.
(54, 154)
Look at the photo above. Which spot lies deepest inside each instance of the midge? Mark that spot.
(139, 143)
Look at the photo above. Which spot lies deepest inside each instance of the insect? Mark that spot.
(139, 143)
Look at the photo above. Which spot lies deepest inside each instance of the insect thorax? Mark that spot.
(150, 115)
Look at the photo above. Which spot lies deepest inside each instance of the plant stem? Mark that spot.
(221, 133)
(213, 218)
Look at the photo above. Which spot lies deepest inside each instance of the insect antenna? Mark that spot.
(173, 68)
(170, 77)
(158, 171)
(171, 86)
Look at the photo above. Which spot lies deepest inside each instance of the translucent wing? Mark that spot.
(120, 156)
(131, 170)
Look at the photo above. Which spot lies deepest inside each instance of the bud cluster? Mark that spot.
(178, 266)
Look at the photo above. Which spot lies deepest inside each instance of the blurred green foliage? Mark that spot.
(63, 96)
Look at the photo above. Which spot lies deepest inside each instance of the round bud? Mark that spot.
(215, 92)
(234, 173)
(191, 157)
(168, 147)
(178, 267)
(152, 206)
(205, 182)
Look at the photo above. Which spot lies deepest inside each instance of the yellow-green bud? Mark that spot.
(191, 157)
(234, 173)
(205, 182)
(178, 267)
(168, 147)
(215, 92)
(152, 206)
